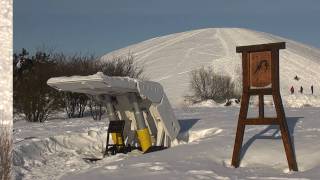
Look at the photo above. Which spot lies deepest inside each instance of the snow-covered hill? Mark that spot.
(169, 59)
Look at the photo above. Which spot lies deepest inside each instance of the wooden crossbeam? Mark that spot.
(267, 91)
(263, 121)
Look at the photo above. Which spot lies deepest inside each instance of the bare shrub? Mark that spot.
(121, 66)
(96, 109)
(238, 80)
(31, 94)
(5, 153)
(75, 103)
(206, 84)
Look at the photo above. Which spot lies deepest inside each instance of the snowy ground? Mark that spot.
(54, 150)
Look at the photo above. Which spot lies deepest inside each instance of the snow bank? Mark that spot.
(301, 100)
(203, 149)
(212, 103)
(294, 101)
(195, 135)
(36, 152)
(35, 155)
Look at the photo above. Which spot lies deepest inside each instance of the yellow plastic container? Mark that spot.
(116, 138)
(144, 139)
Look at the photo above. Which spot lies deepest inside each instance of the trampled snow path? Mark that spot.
(202, 152)
(169, 59)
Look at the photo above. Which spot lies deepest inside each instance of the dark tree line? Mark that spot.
(36, 100)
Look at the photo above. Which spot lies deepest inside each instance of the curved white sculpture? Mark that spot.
(142, 104)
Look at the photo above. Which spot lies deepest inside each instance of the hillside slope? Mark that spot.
(169, 59)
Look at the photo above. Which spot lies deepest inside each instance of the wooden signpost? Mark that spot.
(260, 65)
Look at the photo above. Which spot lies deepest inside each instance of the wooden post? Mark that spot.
(260, 64)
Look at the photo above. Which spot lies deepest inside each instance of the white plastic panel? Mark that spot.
(94, 84)
(150, 90)
(171, 125)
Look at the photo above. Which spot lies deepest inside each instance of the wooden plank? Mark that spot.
(265, 91)
(245, 73)
(285, 135)
(275, 71)
(260, 69)
(261, 47)
(261, 121)
(261, 106)
(240, 131)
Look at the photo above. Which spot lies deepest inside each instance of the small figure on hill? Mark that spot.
(301, 89)
(296, 78)
(311, 89)
(292, 89)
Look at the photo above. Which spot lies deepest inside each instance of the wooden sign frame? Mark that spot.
(273, 89)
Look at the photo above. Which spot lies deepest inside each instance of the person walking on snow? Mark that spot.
(292, 90)
(301, 89)
(311, 89)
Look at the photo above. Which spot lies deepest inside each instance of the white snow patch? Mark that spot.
(212, 103)
(301, 100)
(156, 168)
(275, 178)
(200, 134)
(111, 167)
(141, 165)
(207, 103)
(206, 174)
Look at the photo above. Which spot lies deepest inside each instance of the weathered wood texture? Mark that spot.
(260, 69)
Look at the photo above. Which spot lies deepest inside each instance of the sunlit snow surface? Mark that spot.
(169, 59)
(54, 151)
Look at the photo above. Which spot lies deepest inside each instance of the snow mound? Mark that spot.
(200, 134)
(211, 103)
(195, 135)
(207, 103)
(170, 59)
(70, 148)
(294, 101)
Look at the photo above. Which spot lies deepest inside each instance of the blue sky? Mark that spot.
(100, 26)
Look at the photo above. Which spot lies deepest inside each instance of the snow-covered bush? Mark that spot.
(206, 84)
(5, 153)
